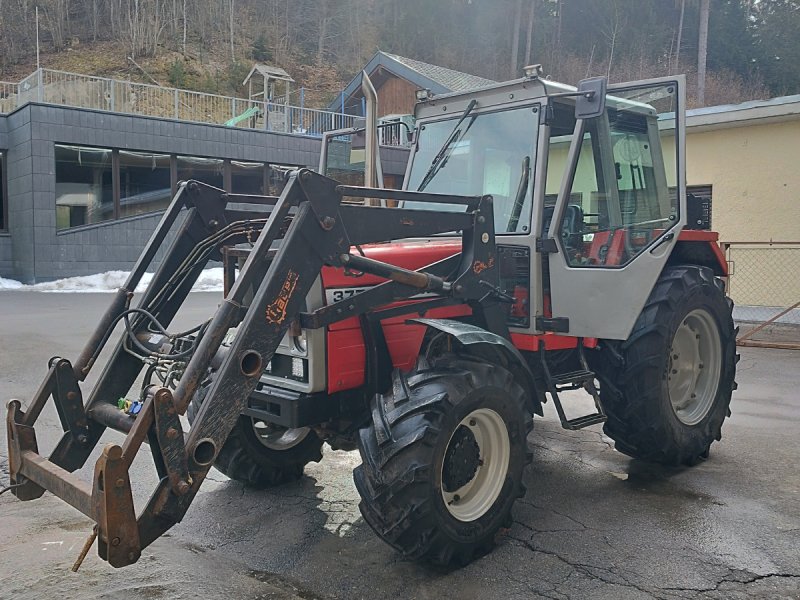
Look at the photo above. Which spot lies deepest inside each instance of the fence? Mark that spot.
(86, 91)
(765, 288)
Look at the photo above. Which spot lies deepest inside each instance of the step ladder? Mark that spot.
(574, 380)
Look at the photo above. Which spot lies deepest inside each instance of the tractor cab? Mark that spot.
(599, 194)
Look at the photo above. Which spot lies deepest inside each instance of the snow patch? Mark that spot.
(210, 280)
(9, 284)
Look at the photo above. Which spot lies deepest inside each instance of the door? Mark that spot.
(620, 208)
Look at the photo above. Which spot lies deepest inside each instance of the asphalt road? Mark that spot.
(594, 524)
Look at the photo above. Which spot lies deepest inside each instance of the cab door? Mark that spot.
(620, 208)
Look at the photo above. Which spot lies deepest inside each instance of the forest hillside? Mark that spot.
(732, 50)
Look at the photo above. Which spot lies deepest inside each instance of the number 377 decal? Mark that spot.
(338, 294)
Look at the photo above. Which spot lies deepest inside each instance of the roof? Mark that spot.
(781, 108)
(268, 72)
(439, 80)
(452, 81)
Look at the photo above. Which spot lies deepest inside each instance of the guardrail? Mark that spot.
(127, 97)
(764, 286)
(8, 96)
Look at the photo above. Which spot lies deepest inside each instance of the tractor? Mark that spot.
(542, 241)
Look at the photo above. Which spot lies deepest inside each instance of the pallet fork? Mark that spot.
(295, 235)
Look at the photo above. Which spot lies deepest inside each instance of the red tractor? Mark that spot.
(543, 241)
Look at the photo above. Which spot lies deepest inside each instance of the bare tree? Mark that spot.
(529, 38)
(233, 54)
(680, 37)
(184, 28)
(702, 51)
(515, 25)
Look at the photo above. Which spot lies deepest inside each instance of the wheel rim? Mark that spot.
(474, 498)
(276, 437)
(695, 362)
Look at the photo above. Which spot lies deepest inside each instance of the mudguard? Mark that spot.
(475, 338)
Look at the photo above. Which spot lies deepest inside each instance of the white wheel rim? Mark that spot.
(278, 438)
(472, 500)
(695, 363)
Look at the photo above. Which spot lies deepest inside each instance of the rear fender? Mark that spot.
(487, 345)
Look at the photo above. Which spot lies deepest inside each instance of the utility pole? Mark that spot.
(38, 64)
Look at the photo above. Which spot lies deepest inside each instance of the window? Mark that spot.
(207, 170)
(488, 153)
(276, 179)
(145, 182)
(3, 194)
(84, 190)
(94, 185)
(619, 199)
(247, 178)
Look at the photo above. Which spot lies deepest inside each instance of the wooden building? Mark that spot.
(396, 79)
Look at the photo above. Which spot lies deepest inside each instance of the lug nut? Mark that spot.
(115, 542)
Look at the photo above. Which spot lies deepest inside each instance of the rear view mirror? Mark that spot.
(591, 100)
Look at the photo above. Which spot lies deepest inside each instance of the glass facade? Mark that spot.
(247, 177)
(145, 182)
(207, 170)
(84, 186)
(99, 184)
(3, 194)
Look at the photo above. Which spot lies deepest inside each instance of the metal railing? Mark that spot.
(8, 96)
(127, 97)
(765, 288)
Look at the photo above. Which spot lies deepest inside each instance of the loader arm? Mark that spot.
(295, 235)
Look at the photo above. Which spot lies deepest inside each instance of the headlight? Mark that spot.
(300, 342)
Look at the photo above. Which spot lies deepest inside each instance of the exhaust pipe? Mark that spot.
(372, 147)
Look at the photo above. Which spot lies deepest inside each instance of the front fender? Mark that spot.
(476, 339)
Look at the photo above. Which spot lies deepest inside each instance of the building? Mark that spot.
(83, 184)
(396, 80)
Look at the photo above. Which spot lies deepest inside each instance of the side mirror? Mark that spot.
(591, 99)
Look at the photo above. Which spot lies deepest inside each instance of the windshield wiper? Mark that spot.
(522, 191)
(439, 160)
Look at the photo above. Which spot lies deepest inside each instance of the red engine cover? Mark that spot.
(346, 353)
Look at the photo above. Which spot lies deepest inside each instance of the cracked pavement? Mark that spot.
(593, 524)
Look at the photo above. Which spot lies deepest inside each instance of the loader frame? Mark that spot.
(292, 237)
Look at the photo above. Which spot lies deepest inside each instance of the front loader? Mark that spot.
(540, 244)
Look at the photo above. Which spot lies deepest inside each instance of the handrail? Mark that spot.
(50, 86)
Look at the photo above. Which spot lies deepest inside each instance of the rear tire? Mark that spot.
(667, 388)
(260, 454)
(443, 459)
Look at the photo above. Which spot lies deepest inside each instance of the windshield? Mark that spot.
(490, 153)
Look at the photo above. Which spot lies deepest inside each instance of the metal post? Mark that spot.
(40, 85)
(176, 103)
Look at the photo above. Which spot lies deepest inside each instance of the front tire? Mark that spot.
(443, 459)
(260, 454)
(667, 388)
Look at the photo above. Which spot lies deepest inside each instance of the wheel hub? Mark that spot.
(461, 461)
(694, 367)
(278, 438)
(475, 464)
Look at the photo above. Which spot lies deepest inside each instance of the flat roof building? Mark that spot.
(83, 185)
